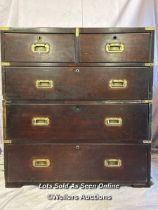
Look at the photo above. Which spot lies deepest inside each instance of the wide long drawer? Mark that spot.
(36, 47)
(35, 163)
(116, 47)
(88, 122)
(80, 83)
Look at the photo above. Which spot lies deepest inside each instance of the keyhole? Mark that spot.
(77, 70)
(77, 147)
(114, 37)
(77, 108)
(39, 38)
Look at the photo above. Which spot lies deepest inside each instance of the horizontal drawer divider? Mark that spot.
(65, 102)
(61, 142)
(95, 64)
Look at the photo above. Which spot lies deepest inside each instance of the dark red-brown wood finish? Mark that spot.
(78, 123)
(78, 83)
(77, 105)
(90, 46)
(136, 47)
(77, 163)
(18, 47)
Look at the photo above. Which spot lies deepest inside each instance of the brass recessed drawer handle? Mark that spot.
(114, 47)
(113, 121)
(40, 121)
(44, 84)
(110, 163)
(115, 84)
(40, 47)
(40, 163)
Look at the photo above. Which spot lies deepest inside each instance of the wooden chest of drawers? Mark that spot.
(77, 105)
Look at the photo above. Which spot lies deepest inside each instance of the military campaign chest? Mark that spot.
(77, 105)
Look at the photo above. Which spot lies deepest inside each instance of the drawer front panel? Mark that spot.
(80, 83)
(91, 122)
(55, 163)
(128, 47)
(39, 47)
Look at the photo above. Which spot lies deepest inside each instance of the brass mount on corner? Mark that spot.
(6, 141)
(4, 28)
(77, 32)
(146, 141)
(148, 64)
(150, 28)
(5, 63)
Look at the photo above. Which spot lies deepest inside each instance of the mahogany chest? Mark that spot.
(77, 105)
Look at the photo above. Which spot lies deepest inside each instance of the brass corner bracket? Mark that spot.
(150, 28)
(146, 101)
(6, 141)
(4, 28)
(77, 32)
(148, 64)
(5, 63)
(146, 141)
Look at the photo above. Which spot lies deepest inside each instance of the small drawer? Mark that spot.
(23, 47)
(80, 83)
(77, 123)
(35, 163)
(118, 47)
